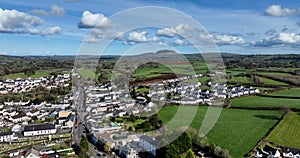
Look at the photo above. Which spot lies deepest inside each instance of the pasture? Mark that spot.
(287, 132)
(260, 101)
(294, 92)
(229, 131)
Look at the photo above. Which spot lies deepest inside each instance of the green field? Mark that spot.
(241, 79)
(87, 73)
(273, 82)
(38, 73)
(230, 130)
(287, 132)
(248, 80)
(294, 92)
(259, 101)
(148, 71)
(199, 67)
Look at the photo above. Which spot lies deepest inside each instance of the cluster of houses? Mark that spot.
(21, 122)
(185, 93)
(106, 101)
(62, 120)
(272, 152)
(21, 85)
(34, 151)
(12, 113)
(102, 103)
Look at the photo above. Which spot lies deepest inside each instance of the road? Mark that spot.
(80, 114)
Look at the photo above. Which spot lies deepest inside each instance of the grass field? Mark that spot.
(38, 73)
(199, 67)
(273, 82)
(87, 73)
(258, 101)
(247, 80)
(229, 131)
(287, 132)
(148, 71)
(294, 92)
(241, 79)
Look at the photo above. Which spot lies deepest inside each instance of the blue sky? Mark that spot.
(62, 27)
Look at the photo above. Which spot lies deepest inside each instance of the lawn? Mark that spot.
(259, 101)
(236, 130)
(287, 132)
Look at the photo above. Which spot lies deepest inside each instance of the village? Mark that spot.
(45, 124)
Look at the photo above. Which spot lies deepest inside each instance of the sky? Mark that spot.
(69, 27)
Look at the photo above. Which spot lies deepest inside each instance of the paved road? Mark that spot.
(79, 106)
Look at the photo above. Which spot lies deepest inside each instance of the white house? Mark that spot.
(39, 129)
(7, 136)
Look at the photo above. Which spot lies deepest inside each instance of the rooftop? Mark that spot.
(38, 127)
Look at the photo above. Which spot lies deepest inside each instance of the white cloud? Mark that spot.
(222, 39)
(33, 31)
(91, 39)
(90, 20)
(173, 31)
(55, 10)
(179, 42)
(56, 30)
(135, 36)
(13, 21)
(96, 34)
(228, 40)
(39, 12)
(280, 39)
(277, 10)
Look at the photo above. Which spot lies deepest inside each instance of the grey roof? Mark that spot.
(39, 127)
(6, 133)
(150, 140)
